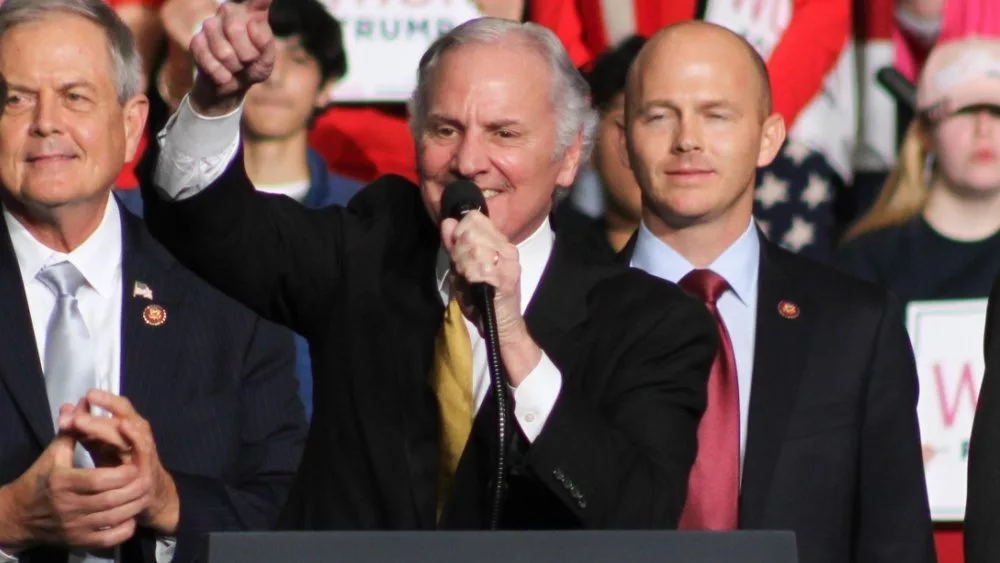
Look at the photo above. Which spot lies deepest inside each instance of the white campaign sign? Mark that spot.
(947, 339)
(385, 39)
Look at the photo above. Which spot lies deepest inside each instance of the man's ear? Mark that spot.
(570, 162)
(772, 138)
(135, 112)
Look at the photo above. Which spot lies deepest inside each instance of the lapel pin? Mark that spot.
(142, 290)
(154, 315)
(788, 310)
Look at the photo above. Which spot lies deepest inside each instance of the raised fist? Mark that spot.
(234, 50)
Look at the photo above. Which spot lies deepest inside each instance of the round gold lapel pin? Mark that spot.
(154, 315)
(788, 310)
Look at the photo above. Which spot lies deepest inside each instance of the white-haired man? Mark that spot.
(607, 366)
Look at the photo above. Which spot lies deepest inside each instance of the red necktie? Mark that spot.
(714, 485)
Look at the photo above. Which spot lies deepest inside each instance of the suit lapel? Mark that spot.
(152, 328)
(559, 304)
(20, 367)
(780, 354)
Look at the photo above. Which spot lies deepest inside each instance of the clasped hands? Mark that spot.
(55, 503)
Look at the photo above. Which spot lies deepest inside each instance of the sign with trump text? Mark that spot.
(947, 339)
(385, 39)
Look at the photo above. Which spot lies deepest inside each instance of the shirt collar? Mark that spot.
(533, 254)
(738, 265)
(91, 258)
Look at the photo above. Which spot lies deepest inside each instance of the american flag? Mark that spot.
(142, 290)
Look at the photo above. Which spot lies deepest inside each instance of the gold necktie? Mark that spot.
(452, 381)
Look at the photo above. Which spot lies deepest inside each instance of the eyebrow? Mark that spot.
(502, 124)
(702, 105)
(492, 125)
(62, 87)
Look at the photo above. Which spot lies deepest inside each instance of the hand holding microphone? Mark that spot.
(485, 267)
(480, 254)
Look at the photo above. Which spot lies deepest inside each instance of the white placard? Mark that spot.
(947, 339)
(385, 39)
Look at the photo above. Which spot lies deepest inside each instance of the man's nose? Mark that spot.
(47, 117)
(471, 157)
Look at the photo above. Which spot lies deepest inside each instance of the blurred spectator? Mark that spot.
(142, 18)
(181, 19)
(815, 90)
(920, 23)
(933, 232)
(607, 234)
(276, 120)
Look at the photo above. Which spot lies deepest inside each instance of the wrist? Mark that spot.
(164, 514)
(519, 352)
(206, 103)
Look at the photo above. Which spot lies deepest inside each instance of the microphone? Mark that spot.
(898, 85)
(459, 198)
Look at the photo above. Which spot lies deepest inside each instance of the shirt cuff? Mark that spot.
(195, 150)
(6, 557)
(199, 136)
(164, 549)
(536, 396)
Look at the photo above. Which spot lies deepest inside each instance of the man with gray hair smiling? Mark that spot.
(606, 366)
(139, 408)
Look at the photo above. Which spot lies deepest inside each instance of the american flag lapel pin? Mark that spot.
(142, 290)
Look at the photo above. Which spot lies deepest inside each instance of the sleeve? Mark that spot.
(195, 150)
(982, 510)
(269, 252)
(164, 550)
(535, 397)
(807, 52)
(624, 463)
(894, 522)
(273, 429)
(7, 558)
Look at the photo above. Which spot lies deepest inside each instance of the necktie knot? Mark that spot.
(62, 279)
(705, 285)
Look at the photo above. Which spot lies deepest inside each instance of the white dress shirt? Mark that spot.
(195, 151)
(99, 260)
(739, 266)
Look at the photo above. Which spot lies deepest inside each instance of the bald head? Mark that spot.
(698, 125)
(707, 42)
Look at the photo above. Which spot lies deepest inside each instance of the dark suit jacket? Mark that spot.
(215, 382)
(982, 506)
(359, 283)
(833, 448)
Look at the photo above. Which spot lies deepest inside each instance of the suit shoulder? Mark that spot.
(627, 291)
(389, 192)
(831, 285)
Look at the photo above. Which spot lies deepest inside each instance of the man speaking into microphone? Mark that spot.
(606, 368)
